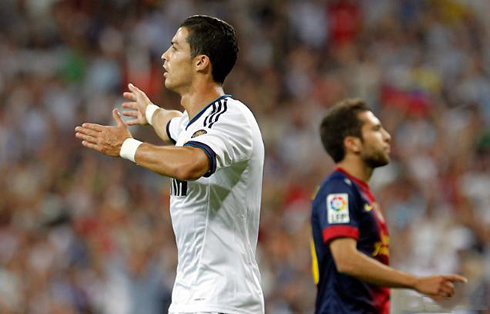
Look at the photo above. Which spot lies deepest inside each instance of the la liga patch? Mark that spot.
(338, 208)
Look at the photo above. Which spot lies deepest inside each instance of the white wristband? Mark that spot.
(150, 111)
(128, 148)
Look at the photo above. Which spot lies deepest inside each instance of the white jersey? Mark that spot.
(216, 218)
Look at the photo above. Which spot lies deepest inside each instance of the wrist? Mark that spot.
(128, 149)
(412, 282)
(150, 111)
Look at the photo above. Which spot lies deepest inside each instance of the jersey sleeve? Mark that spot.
(175, 126)
(336, 210)
(226, 139)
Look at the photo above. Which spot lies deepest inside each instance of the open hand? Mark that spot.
(104, 139)
(137, 106)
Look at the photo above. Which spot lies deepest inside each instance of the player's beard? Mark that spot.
(376, 159)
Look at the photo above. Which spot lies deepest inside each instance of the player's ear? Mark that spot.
(352, 144)
(202, 62)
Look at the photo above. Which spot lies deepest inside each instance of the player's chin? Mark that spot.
(379, 161)
(387, 159)
(168, 84)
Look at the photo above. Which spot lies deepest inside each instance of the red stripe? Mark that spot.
(333, 232)
(356, 180)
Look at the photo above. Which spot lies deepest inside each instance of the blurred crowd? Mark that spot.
(85, 233)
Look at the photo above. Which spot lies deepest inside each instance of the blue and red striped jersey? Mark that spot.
(345, 207)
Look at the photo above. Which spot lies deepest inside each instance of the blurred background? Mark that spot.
(85, 233)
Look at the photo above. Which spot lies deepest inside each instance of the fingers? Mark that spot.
(130, 105)
(86, 131)
(93, 126)
(117, 118)
(128, 113)
(448, 285)
(456, 278)
(133, 95)
(447, 289)
(129, 96)
(133, 122)
(86, 134)
(133, 88)
(91, 146)
(86, 137)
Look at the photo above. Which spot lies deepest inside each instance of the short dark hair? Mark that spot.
(214, 38)
(342, 120)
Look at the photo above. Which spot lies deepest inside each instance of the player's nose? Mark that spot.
(164, 56)
(387, 136)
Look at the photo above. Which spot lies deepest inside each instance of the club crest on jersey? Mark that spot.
(198, 133)
(338, 208)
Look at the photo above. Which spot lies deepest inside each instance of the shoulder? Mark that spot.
(228, 112)
(242, 113)
(178, 123)
(236, 108)
(335, 183)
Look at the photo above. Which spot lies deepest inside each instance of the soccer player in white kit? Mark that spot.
(216, 166)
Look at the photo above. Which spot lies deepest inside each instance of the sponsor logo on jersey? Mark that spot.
(368, 207)
(382, 247)
(338, 208)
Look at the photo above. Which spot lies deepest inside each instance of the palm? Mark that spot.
(137, 107)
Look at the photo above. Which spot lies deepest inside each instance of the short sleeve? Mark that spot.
(175, 126)
(335, 207)
(226, 138)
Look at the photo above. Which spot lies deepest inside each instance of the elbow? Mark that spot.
(191, 166)
(344, 267)
(188, 176)
(188, 173)
(346, 256)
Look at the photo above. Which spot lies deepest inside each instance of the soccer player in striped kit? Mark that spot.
(215, 160)
(350, 244)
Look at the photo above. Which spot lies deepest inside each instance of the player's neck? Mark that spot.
(356, 168)
(200, 95)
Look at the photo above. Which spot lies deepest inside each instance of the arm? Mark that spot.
(350, 261)
(138, 107)
(183, 163)
(159, 121)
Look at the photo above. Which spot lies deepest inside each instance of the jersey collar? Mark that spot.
(194, 119)
(351, 177)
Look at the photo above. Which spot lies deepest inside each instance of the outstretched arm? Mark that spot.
(141, 109)
(350, 261)
(183, 163)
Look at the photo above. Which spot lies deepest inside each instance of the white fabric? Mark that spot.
(216, 218)
(197, 313)
(128, 148)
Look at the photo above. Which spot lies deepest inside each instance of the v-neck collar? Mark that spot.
(194, 119)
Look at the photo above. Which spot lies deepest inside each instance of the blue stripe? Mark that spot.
(215, 112)
(209, 152)
(204, 109)
(225, 107)
(209, 115)
(168, 132)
